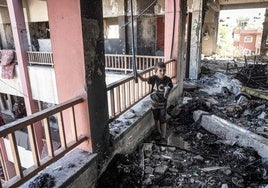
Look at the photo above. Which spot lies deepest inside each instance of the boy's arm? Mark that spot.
(142, 78)
(168, 87)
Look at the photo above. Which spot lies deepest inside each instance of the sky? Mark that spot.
(230, 16)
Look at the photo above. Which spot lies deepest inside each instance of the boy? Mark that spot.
(161, 85)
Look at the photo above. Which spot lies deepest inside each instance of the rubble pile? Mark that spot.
(250, 115)
(231, 98)
(194, 157)
(199, 160)
(123, 171)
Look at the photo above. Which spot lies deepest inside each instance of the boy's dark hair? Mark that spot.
(159, 65)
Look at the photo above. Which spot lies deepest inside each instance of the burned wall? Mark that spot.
(146, 26)
(146, 36)
(114, 13)
(117, 43)
(117, 13)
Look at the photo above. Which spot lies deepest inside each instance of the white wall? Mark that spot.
(26, 158)
(42, 81)
(11, 86)
(43, 84)
(37, 10)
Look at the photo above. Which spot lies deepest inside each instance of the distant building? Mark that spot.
(247, 42)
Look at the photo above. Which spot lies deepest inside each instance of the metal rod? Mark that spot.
(133, 45)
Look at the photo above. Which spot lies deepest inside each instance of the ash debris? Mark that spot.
(193, 157)
(44, 180)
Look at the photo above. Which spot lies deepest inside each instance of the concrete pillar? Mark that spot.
(214, 49)
(209, 32)
(21, 45)
(175, 46)
(195, 51)
(264, 50)
(210, 14)
(188, 44)
(76, 30)
(92, 28)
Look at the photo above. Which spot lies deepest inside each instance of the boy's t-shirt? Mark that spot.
(158, 87)
(160, 84)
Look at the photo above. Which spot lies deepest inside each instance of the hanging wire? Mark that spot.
(133, 45)
(142, 13)
(14, 88)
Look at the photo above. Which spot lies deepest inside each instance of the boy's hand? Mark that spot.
(154, 103)
(166, 92)
(142, 78)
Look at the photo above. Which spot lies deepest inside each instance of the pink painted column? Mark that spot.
(21, 44)
(68, 54)
(172, 32)
(78, 49)
(196, 39)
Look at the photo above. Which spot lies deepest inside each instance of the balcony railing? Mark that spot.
(36, 58)
(119, 62)
(53, 154)
(125, 93)
(113, 62)
(40, 58)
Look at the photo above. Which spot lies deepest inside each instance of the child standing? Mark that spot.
(161, 85)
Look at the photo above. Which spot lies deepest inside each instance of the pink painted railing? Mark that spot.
(40, 162)
(121, 62)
